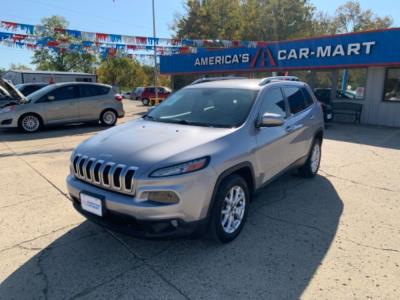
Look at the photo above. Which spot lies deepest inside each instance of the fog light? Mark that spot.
(166, 197)
(174, 223)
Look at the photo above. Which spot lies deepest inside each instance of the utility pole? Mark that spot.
(155, 50)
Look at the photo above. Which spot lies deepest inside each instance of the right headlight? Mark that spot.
(182, 168)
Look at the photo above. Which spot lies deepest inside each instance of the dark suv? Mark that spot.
(150, 92)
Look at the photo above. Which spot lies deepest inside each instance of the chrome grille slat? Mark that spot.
(88, 169)
(81, 162)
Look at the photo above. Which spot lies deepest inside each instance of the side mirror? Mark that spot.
(51, 98)
(271, 120)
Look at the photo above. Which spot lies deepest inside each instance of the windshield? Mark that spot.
(206, 107)
(39, 93)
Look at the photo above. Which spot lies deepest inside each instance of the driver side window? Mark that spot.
(273, 102)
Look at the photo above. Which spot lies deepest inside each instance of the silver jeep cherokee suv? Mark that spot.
(193, 162)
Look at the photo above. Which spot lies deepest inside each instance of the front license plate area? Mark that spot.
(92, 204)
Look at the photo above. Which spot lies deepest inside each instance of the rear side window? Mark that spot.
(273, 102)
(296, 99)
(93, 90)
(307, 96)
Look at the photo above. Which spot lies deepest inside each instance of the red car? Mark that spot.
(150, 92)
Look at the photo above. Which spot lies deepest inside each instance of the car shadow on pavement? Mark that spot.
(291, 226)
(13, 135)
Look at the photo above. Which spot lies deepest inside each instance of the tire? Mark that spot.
(30, 123)
(223, 226)
(108, 117)
(146, 102)
(311, 166)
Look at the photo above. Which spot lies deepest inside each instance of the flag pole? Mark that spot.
(155, 50)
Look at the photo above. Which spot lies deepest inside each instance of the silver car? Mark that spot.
(193, 162)
(62, 103)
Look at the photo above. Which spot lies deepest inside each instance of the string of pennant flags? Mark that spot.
(33, 42)
(130, 40)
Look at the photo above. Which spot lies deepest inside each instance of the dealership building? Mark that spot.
(361, 68)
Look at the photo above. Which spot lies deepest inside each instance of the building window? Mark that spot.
(351, 84)
(392, 85)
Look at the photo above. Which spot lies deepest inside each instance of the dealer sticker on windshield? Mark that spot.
(92, 204)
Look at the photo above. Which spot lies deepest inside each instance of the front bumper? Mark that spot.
(168, 228)
(8, 120)
(137, 216)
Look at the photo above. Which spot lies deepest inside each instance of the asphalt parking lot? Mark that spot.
(336, 236)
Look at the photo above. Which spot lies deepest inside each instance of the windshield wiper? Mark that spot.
(186, 122)
(148, 117)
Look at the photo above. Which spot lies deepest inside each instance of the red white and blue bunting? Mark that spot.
(129, 40)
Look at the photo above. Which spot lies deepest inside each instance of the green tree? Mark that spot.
(20, 67)
(56, 60)
(123, 72)
(245, 19)
(209, 19)
(350, 17)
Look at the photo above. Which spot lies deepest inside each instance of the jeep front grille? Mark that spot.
(107, 175)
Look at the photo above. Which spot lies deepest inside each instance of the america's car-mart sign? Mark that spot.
(351, 50)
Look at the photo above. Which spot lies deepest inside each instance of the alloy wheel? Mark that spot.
(30, 123)
(315, 157)
(109, 117)
(233, 209)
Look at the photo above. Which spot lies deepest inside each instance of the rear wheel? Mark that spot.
(311, 166)
(146, 102)
(30, 123)
(230, 209)
(108, 117)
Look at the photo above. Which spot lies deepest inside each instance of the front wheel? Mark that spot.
(108, 118)
(145, 102)
(311, 166)
(30, 123)
(230, 209)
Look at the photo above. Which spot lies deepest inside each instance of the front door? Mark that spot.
(272, 142)
(61, 105)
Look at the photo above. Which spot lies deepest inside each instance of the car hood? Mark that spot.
(143, 143)
(15, 94)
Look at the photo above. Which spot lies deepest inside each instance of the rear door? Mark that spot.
(92, 100)
(272, 142)
(63, 107)
(297, 124)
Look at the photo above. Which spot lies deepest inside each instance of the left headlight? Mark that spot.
(182, 168)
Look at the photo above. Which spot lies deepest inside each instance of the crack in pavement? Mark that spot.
(122, 242)
(89, 290)
(38, 172)
(37, 152)
(325, 233)
(359, 183)
(41, 236)
(42, 272)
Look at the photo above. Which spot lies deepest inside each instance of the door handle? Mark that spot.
(292, 128)
(289, 128)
